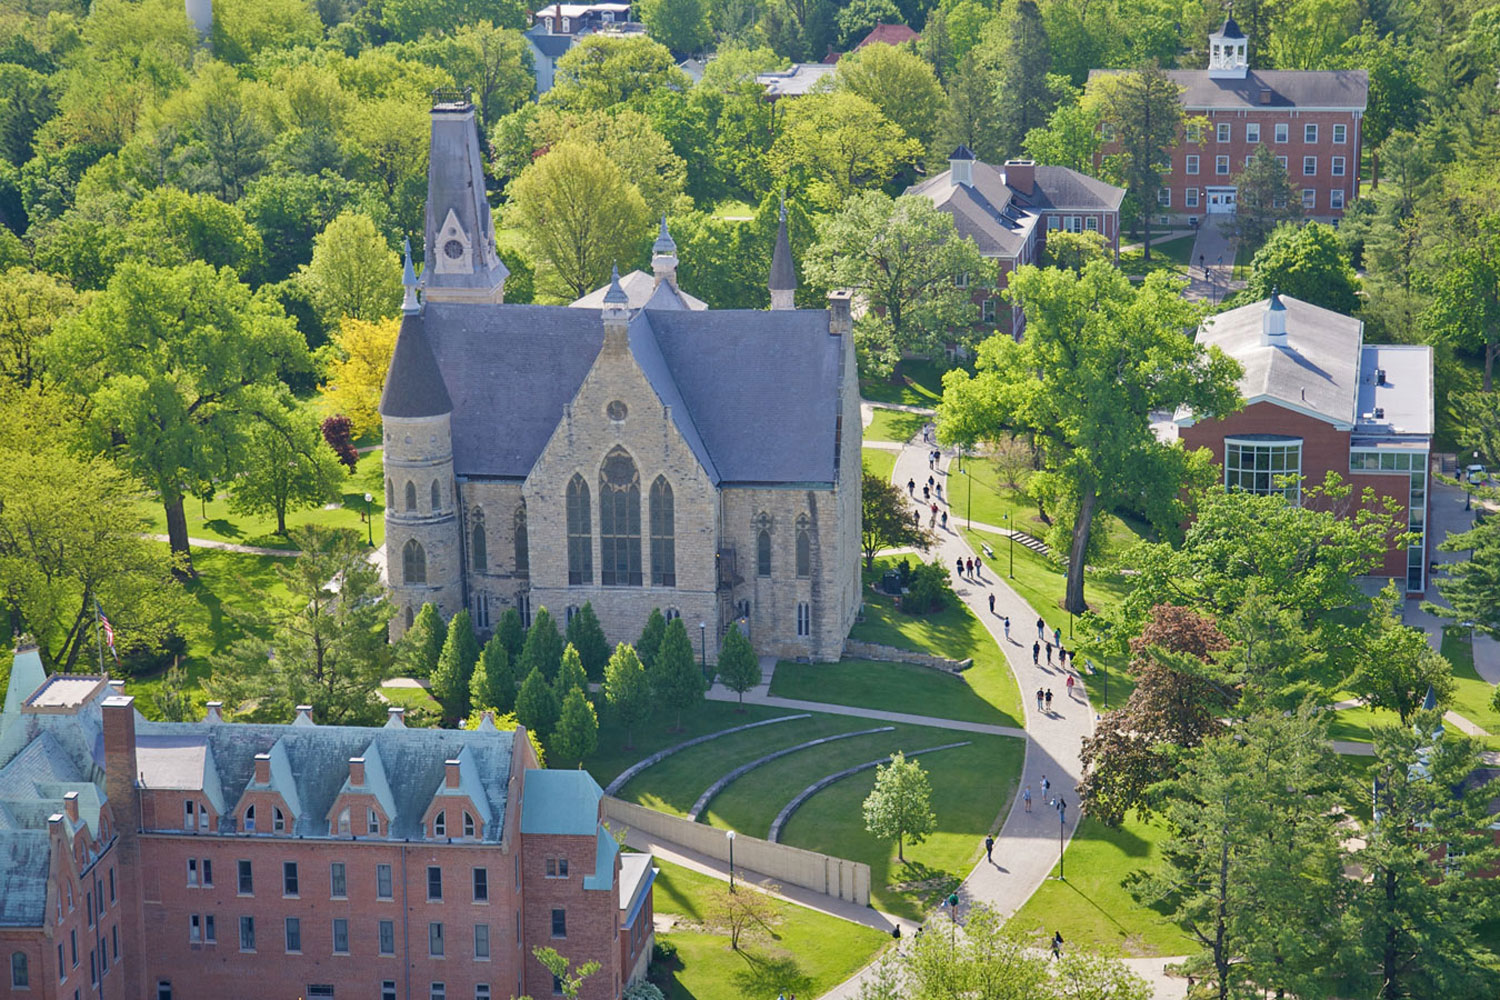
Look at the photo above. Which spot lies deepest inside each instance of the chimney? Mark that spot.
(450, 773)
(487, 723)
(304, 716)
(356, 772)
(395, 717)
(1380, 376)
(557, 22)
(70, 806)
(961, 166)
(213, 713)
(1021, 175)
(116, 687)
(840, 318)
(262, 769)
(664, 256)
(1273, 322)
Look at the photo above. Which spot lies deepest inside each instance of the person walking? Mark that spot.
(1036, 656)
(1057, 636)
(1057, 943)
(1062, 656)
(1070, 685)
(945, 520)
(1007, 620)
(959, 567)
(1049, 654)
(932, 521)
(1041, 629)
(911, 487)
(989, 848)
(1046, 786)
(1049, 700)
(1026, 797)
(1038, 699)
(930, 480)
(927, 493)
(939, 488)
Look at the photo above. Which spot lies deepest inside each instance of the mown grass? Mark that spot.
(976, 484)
(895, 425)
(807, 953)
(1473, 694)
(1172, 255)
(914, 383)
(889, 687)
(878, 462)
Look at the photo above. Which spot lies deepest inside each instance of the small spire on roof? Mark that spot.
(664, 243)
(409, 302)
(1276, 302)
(616, 295)
(783, 281)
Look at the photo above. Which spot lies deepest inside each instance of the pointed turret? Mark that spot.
(616, 314)
(462, 263)
(783, 283)
(414, 386)
(409, 303)
(664, 256)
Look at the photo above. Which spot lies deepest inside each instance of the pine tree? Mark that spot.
(627, 690)
(543, 649)
(577, 733)
(1025, 58)
(423, 643)
(493, 685)
(899, 807)
(1265, 198)
(1144, 110)
(739, 667)
(536, 705)
(1472, 587)
(971, 115)
(649, 644)
(676, 681)
(450, 681)
(570, 674)
(512, 634)
(587, 636)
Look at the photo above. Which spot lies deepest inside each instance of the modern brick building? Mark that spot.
(637, 452)
(1310, 118)
(146, 861)
(1318, 399)
(1008, 212)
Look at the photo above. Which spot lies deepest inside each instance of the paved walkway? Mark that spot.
(1215, 247)
(1448, 517)
(762, 696)
(251, 550)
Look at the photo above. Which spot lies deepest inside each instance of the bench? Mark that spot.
(989, 553)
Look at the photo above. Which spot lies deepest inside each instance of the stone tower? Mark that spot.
(422, 545)
(461, 262)
(783, 283)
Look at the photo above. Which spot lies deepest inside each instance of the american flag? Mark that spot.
(109, 631)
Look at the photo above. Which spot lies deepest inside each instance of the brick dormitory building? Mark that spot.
(152, 861)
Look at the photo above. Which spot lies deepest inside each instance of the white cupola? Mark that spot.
(1228, 57)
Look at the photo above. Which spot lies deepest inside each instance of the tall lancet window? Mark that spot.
(479, 556)
(663, 535)
(580, 534)
(413, 562)
(619, 521)
(523, 543)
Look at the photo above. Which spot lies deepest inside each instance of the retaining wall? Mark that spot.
(890, 654)
(846, 880)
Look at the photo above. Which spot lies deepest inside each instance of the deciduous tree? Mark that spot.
(831, 145)
(493, 684)
(680, 25)
(1397, 666)
(354, 272)
(739, 667)
(1074, 251)
(361, 354)
(287, 466)
(627, 689)
(899, 807)
(748, 914)
(676, 681)
(1071, 138)
(31, 305)
(1307, 263)
(577, 733)
(897, 82)
(1265, 198)
(586, 635)
(536, 704)
(885, 519)
(602, 72)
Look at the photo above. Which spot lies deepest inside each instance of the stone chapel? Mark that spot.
(635, 450)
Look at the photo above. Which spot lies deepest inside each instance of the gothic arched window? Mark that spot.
(479, 557)
(20, 974)
(580, 534)
(390, 494)
(437, 497)
(763, 552)
(523, 543)
(804, 547)
(619, 521)
(410, 617)
(411, 496)
(663, 535)
(413, 562)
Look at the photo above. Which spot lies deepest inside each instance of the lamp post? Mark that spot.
(1010, 533)
(1469, 486)
(729, 836)
(969, 508)
(1061, 805)
(703, 647)
(370, 520)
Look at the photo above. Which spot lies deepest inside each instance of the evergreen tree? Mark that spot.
(1472, 587)
(587, 636)
(676, 681)
(536, 705)
(570, 674)
(649, 644)
(1143, 110)
(577, 733)
(455, 668)
(1266, 198)
(543, 649)
(512, 634)
(971, 116)
(419, 649)
(493, 685)
(1024, 100)
(739, 667)
(627, 690)
(899, 807)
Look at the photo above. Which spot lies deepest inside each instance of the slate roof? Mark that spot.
(565, 803)
(783, 270)
(550, 45)
(1339, 89)
(1231, 29)
(413, 385)
(510, 370)
(639, 287)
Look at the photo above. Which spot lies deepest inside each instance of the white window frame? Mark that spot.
(1164, 196)
(987, 310)
(1221, 166)
(1190, 165)
(1252, 131)
(1283, 161)
(1309, 166)
(1340, 134)
(1091, 223)
(1336, 167)
(1282, 131)
(1336, 199)
(1310, 132)
(1190, 198)
(1194, 133)
(1309, 199)
(1222, 132)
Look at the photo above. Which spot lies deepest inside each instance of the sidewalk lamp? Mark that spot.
(1010, 533)
(1469, 486)
(1061, 805)
(703, 647)
(370, 520)
(729, 836)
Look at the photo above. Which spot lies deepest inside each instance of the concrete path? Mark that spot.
(1215, 246)
(1448, 517)
(752, 697)
(867, 412)
(406, 682)
(251, 550)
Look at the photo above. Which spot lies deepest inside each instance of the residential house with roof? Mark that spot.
(158, 860)
(1008, 211)
(1310, 118)
(556, 29)
(1318, 399)
(796, 80)
(635, 450)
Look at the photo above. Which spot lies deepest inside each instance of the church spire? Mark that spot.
(783, 283)
(409, 303)
(664, 256)
(462, 263)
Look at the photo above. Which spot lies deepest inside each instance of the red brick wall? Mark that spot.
(593, 915)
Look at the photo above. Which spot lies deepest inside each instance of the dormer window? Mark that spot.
(372, 823)
(440, 825)
(455, 249)
(249, 819)
(278, 821)
(468, 824)
(344, 826)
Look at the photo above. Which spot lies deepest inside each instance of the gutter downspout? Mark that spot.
(405, 929)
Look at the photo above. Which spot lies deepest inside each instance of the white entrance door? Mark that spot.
(1221, 200)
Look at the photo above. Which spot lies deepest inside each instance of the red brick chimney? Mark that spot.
(70, 806)
(450, 773)
(357, 772)
(262, 769)
(120, 788)
(1021, 175)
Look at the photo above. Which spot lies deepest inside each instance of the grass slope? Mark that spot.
(890, 687)
(894, 425)
(1472, 698)
(914, 383)
(808, 954)
(878, 462)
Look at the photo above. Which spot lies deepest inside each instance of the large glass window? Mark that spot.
(523, 543)
(1258, 465)
(479, 553)
(804, 547)
(763, 552)
(663, 535)
(413, 562)
(619, 521)
(580, 534)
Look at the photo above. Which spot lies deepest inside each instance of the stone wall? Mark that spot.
(890, 654)
(847, 880)
(419, 451)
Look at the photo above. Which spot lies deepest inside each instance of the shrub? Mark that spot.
(643, 990)
(928, 590)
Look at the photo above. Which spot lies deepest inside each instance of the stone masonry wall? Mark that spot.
(420, 451)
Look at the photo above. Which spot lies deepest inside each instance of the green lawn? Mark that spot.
(915, 383)
(809, 953)
(890, 687)
(729, 209)
(657, 733)
(977, 483)
(1472, 699)
(1354, 724)
(1094, 906)
(215, 521)
(1169, 255)
(412, 699)
(895, 425)
(878, 462)
(953, 632)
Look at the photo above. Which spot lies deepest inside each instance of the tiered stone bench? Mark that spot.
(625, 776)
(743, 769)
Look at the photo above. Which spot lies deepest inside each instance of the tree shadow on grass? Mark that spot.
(224, 528)
(770, 975)
(921, 884)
